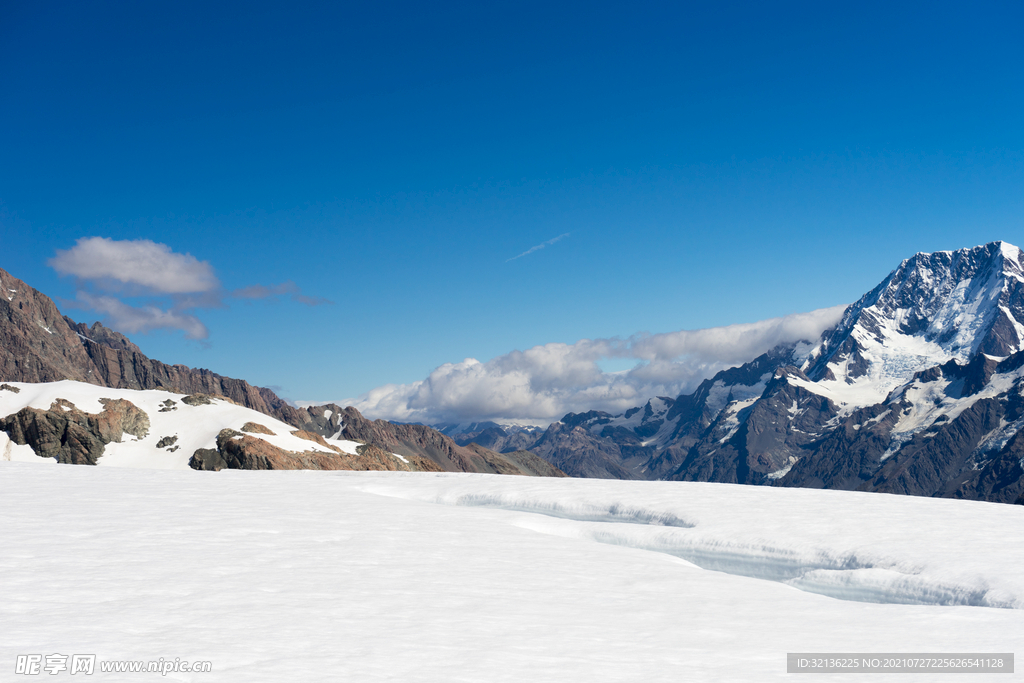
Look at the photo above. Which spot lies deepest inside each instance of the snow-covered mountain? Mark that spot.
(498, 437)
(84, 424)
(916, 390)
(950, 305)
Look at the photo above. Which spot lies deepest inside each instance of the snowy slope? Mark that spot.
(338, 576)
(194, 426)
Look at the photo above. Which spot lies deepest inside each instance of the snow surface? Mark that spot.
(379, 576)
(720, 394)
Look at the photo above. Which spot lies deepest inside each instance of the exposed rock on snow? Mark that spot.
(256, 428)
(239, 451)
(71, 436)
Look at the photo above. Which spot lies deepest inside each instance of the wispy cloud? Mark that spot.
(131, 319)
(174, 286)
(289, 289)
(542, 384)
(539, 247)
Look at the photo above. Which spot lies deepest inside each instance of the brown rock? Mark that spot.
(523, 463)
(71, 436)
(418, 441)
(315, 438)
(236, 450)
(256, 428)
(121, 417)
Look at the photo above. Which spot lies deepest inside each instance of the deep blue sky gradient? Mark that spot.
(714, 163)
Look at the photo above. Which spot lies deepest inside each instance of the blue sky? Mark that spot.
(700, 164)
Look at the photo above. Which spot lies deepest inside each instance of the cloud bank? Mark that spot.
(542, 384)
(173, 286)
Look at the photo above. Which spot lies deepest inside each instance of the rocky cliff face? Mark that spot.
(38, 344)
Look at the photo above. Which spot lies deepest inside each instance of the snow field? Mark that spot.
(195, 426)
(372, 576)
(850, 545)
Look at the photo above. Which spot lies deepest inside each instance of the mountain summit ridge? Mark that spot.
(916, 390)
(935, 307)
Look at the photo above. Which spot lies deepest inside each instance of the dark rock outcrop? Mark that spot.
(578, 453)
(498, 439)
(71, 436)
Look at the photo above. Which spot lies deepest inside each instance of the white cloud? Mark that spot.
(142, 263)
(132, 319)
(544, 383)
(176, 284)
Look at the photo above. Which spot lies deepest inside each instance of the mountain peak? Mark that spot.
(935, 307)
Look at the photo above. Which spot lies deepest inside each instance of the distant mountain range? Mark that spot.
(917, 390)
(39, 345)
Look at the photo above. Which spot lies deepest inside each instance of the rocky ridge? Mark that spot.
(236, 450)
(420, 441)
(38, 344)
